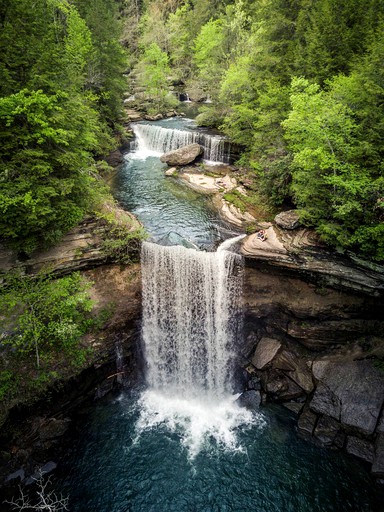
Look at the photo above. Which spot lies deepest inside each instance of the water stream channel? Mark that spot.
(181, 442)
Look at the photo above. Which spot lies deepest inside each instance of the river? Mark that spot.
(181, 442)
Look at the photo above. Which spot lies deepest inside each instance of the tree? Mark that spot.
(47, 500)
(331, 185)
(44, 315)
(154, 67)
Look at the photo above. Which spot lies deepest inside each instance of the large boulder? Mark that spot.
(350, 392)
(288, 220)
(266, 350)
(182, 156)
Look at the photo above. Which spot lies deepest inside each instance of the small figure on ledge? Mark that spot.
(262, 235)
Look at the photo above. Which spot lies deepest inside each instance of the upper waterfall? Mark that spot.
(158, 139)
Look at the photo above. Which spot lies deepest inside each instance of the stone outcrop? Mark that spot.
(81, 248)
(182, 156)
(300, 252)
(288, 219)
(351, 392)
(313, 329)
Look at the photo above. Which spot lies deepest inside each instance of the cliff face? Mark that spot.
(314, 326)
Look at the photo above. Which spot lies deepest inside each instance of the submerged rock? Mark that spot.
(182, 156)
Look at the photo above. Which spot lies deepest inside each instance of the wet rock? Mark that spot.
(339, 440)
(288, 220)
(254, 383)
(378, 462)
(249, 345)
(326, 430)
(19, 474)
(182, 156)
(115, 158)
(280, 387)
(266, 350)
(105, 387)
(307, 422)
(360, 448)
(250, 399)
(53, 428)
(351, 392)
(294, 407)
(297, 369)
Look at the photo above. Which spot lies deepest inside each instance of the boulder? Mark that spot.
(307, 422)
(350, 392)
(295, 407)
(250, 399)
(53, 428)
(360, 448)
(326, 430)
(378, 462)
(280, 387)
(171, 171)
(288, 220)
(266, 350)
(182, 156)
(296, 369)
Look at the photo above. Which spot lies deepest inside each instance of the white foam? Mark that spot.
(197, 421)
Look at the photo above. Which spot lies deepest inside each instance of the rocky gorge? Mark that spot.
(313, 330)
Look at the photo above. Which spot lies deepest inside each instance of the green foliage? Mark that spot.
(154, 68)
(43, 316)
(60, 87)
(122, 244)
(333, 186)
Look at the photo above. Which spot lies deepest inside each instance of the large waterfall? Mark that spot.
(159, 139)
(191, 316)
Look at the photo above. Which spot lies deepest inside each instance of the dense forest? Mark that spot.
(298, 84)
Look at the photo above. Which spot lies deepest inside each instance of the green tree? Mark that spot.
(331, 185)
(43, 316)
(154, 70)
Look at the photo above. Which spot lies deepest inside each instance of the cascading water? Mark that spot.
(158, 139)
(191, 317)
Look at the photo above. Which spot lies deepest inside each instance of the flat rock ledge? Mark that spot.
(80, 249)
(300, 251)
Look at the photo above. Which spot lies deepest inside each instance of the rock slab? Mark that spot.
(350, 392)
(266, 350)
(288, 220)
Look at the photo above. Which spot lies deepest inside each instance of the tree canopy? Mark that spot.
(299, 84)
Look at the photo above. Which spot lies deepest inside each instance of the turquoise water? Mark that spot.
(115, 467)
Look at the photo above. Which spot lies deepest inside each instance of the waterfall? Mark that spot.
(157, 140)
(191, 318)
(191, 303)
